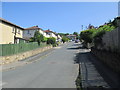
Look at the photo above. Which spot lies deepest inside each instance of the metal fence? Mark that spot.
(10, 49)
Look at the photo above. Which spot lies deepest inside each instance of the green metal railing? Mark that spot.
(11, 49)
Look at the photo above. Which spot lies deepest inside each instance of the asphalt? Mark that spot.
(54, 70)
(28, 60)
(59, 68)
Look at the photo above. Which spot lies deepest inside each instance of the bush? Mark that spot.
(31, 39)
(65, 39)
(45, 39)
(87, 35)
(55, 45)
(95, 35)
(98, 34)
(51, 40)
(38, 37)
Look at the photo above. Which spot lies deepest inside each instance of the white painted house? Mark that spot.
(50, 33)
(29, 32)
(59, 38)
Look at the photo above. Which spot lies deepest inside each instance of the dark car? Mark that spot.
(76, 41)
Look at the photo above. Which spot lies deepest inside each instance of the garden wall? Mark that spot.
(16, 57)
(110, 59)
(111, 41)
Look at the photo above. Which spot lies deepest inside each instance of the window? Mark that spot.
(18, 31)
(13, 30)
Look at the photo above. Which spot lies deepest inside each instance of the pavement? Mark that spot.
(94, 73)
(54, 70)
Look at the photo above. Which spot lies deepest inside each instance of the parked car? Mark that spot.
(76, 41)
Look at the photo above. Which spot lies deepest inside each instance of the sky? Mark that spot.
(60, 17)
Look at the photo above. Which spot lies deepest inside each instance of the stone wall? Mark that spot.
(111, 41)
(20, 56)
(110, 59)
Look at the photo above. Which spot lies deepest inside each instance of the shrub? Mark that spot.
(55, 45)
(87, 35)
(38, 37)
(45, 39)
(51, 40)
(64, 39)
(31, 39)
(95, 35)
(98, 34)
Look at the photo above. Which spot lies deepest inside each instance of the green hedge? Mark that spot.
(10, 49)
(95, 35)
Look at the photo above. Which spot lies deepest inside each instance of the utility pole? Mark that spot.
(82, 27)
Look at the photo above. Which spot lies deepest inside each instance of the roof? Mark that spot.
(47, 30)
(5, 21)
(33, 28)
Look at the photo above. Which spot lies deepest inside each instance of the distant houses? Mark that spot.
(13, 34)
(51, 33)
(72, 37)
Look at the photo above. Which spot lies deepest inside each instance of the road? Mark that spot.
(56, 70)
(59, 68)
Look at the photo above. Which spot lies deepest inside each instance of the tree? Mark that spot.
(75, 33)
(87, 35)
(66, 34)
(64, 39)
(95, 35)
(116, 22)
(38, 37)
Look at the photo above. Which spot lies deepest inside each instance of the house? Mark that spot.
(50, 33)
(29, 32)
(59, 38)
(10, 33)
(72, 37)
(46, 34)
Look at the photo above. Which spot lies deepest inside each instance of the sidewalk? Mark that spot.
(90, 77)
(95, 74)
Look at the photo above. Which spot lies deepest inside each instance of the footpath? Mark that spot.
(94, 73)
